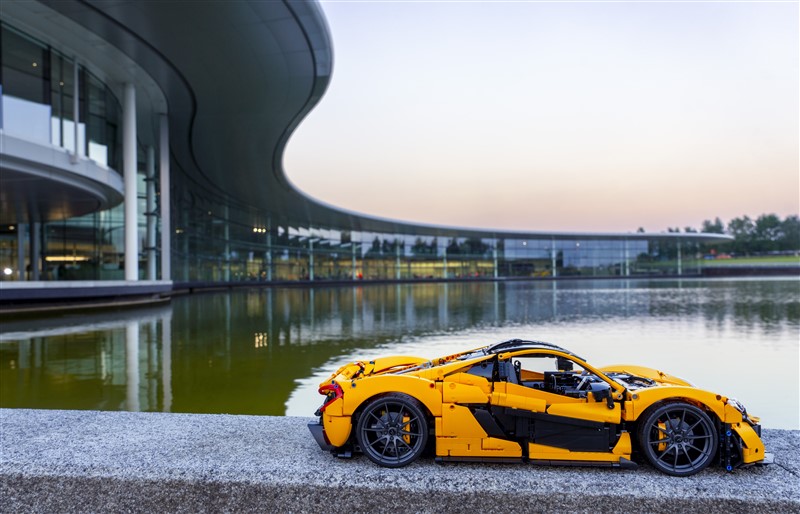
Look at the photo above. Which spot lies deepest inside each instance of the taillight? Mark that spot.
(332, 393)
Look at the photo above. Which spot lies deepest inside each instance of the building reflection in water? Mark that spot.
(106, 361)
(246, 351)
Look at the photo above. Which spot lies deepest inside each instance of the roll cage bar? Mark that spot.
(513, 345)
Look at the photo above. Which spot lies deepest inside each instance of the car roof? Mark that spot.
(513, 345)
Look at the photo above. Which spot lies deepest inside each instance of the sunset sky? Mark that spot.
(579, 116)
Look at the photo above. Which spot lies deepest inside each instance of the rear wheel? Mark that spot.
(392, 430)
(678, 438)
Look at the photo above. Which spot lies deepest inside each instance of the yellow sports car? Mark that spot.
(531, 401)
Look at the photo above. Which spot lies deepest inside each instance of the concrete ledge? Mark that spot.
(76, 461)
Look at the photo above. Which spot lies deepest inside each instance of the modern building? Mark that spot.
(143, 142)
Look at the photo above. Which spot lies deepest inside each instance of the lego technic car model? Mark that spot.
(531, 401)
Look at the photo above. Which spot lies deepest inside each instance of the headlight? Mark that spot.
(733, 402)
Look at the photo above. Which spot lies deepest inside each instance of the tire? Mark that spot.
(677, 438)
(392, 430)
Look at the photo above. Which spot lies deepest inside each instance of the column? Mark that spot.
(22, 228)
(680, 260)
(627, 260)
(310, 259)
(35, 251)
(397, 259)
(77, 151)
(164, 201)
(353, 266)
(129, 166)
(554, 258)
(494, 259)
(151, 213)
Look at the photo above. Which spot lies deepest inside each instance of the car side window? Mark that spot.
(556, 375)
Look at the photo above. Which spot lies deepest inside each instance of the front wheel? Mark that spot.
(392, 430)
(678, 439)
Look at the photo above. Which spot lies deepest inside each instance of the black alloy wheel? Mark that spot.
(678, 439)
(392, 430)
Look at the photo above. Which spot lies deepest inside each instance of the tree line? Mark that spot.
(767, 234)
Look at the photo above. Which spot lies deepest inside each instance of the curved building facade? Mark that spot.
(143, 141)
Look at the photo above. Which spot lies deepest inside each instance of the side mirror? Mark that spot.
(564, 364)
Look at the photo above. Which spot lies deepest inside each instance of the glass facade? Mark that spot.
(211, 242)
(38, 89)
(211, 245)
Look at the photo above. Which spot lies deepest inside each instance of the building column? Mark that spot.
(35, 250)
(627, 260)
(77, 151)
(554, 258)
(310, 259)
(151, 213)
(130, 168)
(22, 228)
(494, 259)
(680, 260)
(164, 201)
(353, 256)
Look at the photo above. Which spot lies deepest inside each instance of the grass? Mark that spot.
(776, 260)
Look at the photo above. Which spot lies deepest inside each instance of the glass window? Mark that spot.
(25, 69)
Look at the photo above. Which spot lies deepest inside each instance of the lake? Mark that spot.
(264, 351)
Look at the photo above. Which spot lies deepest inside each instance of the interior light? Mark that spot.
(7, 271)
(66, 258)
(35, 64)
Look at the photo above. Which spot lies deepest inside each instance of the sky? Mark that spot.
(557, 116)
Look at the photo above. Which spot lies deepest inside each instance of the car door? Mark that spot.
(551, 401)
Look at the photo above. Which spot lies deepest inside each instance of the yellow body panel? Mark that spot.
(644, 398)
(594, 411)
(337, 428)
(518, 402)
(753, 450)
(458, 434)
(456, 392)
(356, 393)
(458, 421)
(386, 363)
(621, 450)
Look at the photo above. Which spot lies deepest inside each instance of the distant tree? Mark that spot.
(742, 230)
(452, 248)
(717, 227)
(766, 233)
(790, 228)
(376, 246)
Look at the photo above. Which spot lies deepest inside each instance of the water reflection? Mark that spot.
(263, 351)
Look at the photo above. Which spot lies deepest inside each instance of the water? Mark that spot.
(264, 351)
